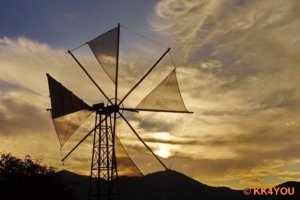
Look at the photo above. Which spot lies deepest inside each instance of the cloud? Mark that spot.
(26, 126)
(19, 115)
(202, 23)
(6, 87)
(239, 75)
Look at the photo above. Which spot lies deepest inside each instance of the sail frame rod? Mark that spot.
(138, 83)
(138, 136)
(155, 110)
(116, 100)
(90, 77)
(82, 140)
(116, 88)
(117, 66)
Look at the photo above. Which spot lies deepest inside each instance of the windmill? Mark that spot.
(69, 112)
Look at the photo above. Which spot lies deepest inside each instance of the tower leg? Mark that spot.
(104, 177)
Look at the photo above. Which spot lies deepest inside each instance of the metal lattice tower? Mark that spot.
(104, 176)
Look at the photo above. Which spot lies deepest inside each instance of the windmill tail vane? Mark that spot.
(69, 112)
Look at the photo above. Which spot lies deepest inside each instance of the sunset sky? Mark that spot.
(237, 66)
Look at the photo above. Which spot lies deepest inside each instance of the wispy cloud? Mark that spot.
(240, 77)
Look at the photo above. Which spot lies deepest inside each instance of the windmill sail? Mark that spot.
(67, 110)
(126, 166)
(105, 49)
(166, 96)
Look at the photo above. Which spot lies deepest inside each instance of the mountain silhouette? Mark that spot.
(171, 185)
(27, 179)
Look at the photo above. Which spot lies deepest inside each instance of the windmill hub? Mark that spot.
(100, 108)
(108, 108)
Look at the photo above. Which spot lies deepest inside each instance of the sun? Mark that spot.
(163, 151)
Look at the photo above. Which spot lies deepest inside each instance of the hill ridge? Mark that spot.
(170, 185)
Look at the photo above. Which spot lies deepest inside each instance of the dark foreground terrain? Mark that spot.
(165, 185)
(172, 185)
(29, 180)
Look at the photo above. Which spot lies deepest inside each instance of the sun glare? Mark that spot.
(163, 151)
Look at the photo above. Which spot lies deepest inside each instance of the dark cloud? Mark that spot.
(212, 167)
(259, 147)
(19, 117)
(172, 140)
(154, 125)
(284, 98)
(9, 86)
(6, 87)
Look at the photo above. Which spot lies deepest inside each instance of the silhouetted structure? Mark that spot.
(69, 112)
